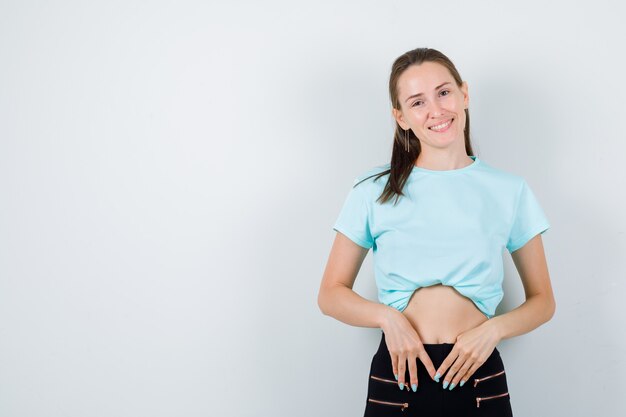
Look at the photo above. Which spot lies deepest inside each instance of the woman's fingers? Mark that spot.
(404, 344)
(399, 364)
(464, 363)
(394, 364)
(413, 372)
(450, 366)
(455, 377)
(462, 368)
(428, 363)
(401, 370)
(469, 373)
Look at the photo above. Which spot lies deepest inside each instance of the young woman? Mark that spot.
(438, 220)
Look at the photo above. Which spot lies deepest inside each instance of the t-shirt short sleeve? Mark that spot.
(353, 219)
(528, 221)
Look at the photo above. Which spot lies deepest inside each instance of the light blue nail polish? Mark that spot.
(414, 387)
(445, 384)
(396, 375)
(401, 386)
(452, 386)
(461, 384)
(437, 377)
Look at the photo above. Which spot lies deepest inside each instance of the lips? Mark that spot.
(449, 123)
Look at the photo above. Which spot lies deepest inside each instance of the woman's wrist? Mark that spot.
(385, 314)
(494, 324)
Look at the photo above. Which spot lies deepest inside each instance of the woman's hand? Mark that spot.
(471, 349)
(404, 345)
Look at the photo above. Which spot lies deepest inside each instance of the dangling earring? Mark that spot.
(406, 137)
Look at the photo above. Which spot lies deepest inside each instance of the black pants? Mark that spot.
(484, 394)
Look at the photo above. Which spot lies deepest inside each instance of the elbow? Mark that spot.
(325, 299)
(550, 308)
(321, 302)
(545, 306)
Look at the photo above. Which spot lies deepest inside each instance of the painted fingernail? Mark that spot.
(396, 375)
(437, 377)
(445, 384)
(401, 386)
(452, 386)
(461, 384)
(414, 387)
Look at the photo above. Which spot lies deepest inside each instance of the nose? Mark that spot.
(435, 109)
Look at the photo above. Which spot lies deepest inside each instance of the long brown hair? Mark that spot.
(402, 162)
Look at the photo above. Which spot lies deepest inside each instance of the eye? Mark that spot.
(441, 92)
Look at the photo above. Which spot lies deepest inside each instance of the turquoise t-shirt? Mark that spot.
(451, 227)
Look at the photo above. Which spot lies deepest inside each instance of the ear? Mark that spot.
(397, 114)
(464, 89)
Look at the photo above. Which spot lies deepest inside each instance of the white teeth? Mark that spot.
(441, 126)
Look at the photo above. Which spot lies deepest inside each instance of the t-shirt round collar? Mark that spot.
(421, 170)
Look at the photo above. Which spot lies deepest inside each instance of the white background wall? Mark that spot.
(170, 172)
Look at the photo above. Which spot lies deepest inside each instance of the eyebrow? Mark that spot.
(421, 94)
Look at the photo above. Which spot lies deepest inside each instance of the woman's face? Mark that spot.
(429, 97)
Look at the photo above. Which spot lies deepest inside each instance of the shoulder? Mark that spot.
(500, 177)
(372, 176)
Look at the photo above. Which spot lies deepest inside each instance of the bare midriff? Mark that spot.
(439, 313)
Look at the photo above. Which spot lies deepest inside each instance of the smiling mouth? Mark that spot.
(442, 127)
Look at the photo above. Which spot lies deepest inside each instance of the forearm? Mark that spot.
(531, 314)
(345, 305)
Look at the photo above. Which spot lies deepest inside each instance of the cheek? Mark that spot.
(419, 118)
(461, 125)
